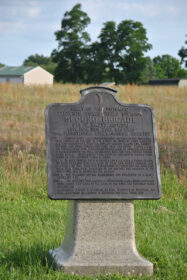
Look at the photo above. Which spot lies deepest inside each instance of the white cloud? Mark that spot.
(22, 10)
(16, 16)
(149, 10)
(33, 12)
(33, 22)
(157, 10)
(15, 27)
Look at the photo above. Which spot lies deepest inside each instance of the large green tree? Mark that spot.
(167, 66)
(123, 48)
(72, 39)
(183, 54)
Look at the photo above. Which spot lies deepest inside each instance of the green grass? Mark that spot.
(31, 224)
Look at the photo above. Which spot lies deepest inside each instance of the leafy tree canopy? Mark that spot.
(183, 54)
(36, 59)
(72, 39)
(132, 44)
(167, 66)
(119, 54)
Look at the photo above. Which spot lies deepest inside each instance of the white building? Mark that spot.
(27, 75)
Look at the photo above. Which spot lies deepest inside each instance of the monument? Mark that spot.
(101, 155)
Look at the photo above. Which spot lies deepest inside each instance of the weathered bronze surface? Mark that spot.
(100, 148)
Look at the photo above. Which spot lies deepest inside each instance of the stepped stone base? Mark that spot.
(99, 239)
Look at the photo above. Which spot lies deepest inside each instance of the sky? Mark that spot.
(27, 26)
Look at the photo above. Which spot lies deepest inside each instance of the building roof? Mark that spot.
(165, 81)
(15, 70)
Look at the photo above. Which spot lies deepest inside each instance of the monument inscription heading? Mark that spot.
(100, 148)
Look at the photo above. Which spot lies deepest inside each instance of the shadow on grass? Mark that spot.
(35, 256)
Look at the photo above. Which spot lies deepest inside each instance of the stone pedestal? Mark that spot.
(99, 239)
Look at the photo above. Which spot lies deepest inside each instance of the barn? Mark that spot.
(27, 75)
(169, 82)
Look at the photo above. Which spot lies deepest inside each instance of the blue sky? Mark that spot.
(27, 26)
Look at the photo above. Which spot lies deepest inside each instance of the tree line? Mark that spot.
(117, 56)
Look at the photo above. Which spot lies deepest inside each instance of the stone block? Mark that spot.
(100, 239)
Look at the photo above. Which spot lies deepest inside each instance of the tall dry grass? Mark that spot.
(170, 107)
(22, 119)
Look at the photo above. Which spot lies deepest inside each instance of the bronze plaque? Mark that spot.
(100, 148)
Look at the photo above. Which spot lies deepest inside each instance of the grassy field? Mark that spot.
(31, 224)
